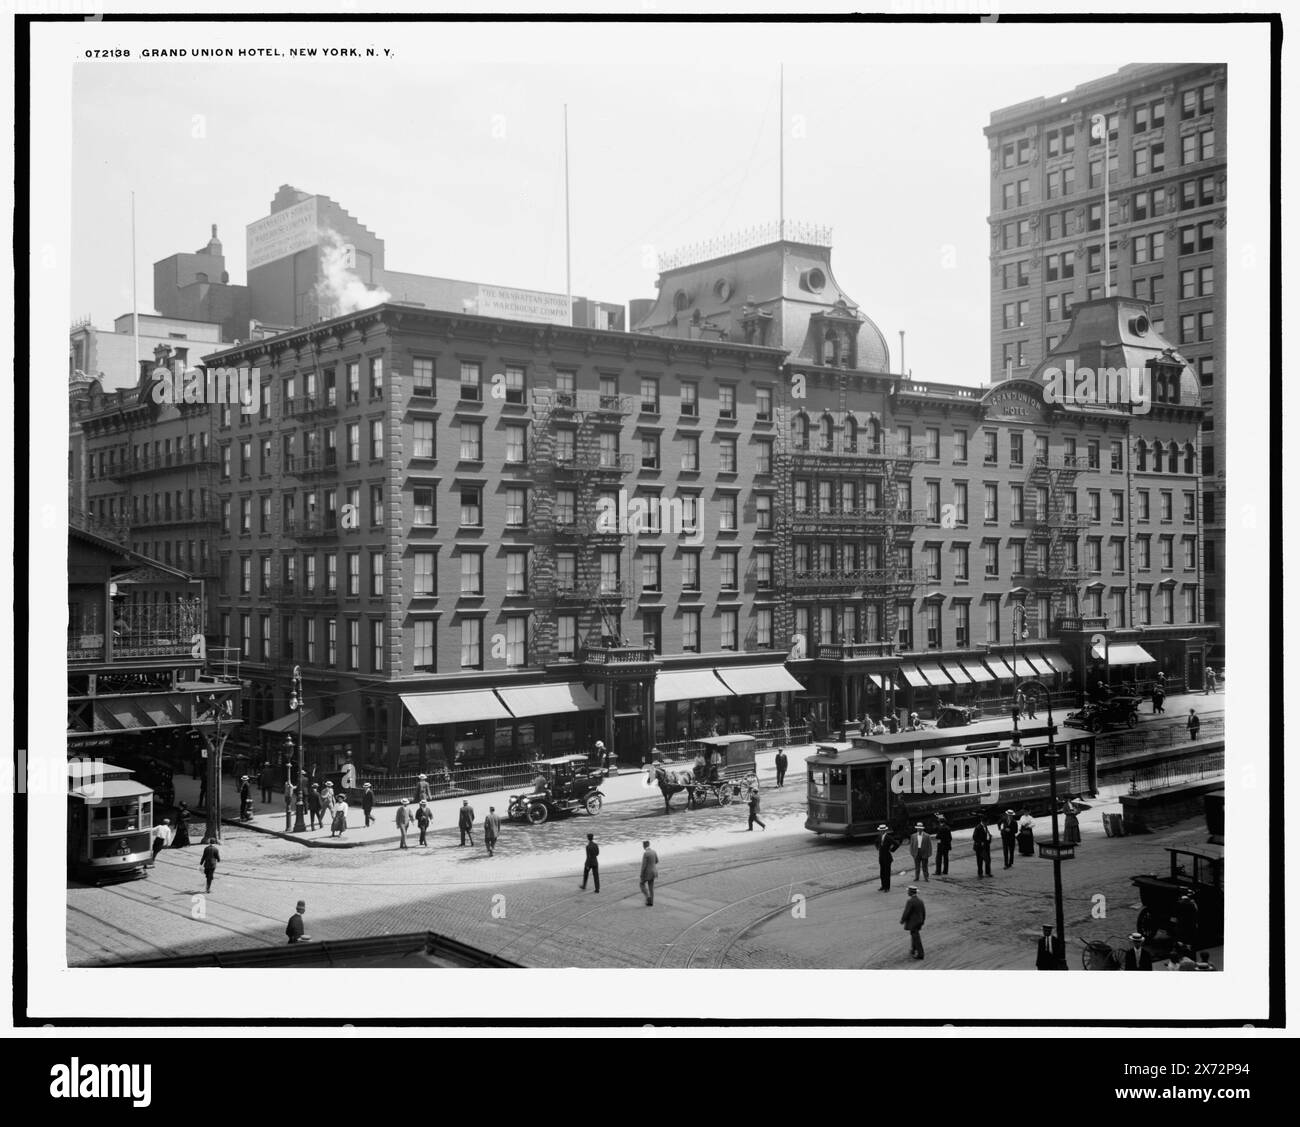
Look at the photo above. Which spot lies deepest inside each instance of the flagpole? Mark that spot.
(135, 293)
(568, 276)
(781, 174)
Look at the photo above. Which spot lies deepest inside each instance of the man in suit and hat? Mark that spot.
(1009, 826)
(403, 820)
(914, 919)
(367, 802)
(208, 862)
(886, 846)
(982, 841)
(649, 871)
(245, 799)
(466, 822)
(314, 806)
(422, 820)
(921, 847)
(782, 762)
(491, 829)
(422, 791)
(1051, 951)
(293, 929)
(591, 865)
(1137, 957)
(602, 756)
(943, 846)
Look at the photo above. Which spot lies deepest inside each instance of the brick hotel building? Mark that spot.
(413, 517)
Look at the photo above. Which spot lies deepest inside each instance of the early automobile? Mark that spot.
(561, 786)
(1105, 714)
(1188, 903)
(954, 716)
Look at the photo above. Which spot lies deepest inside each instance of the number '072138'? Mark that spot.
(110, 53)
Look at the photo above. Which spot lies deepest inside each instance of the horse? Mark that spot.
(670, 782)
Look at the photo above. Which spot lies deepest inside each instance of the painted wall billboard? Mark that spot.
(523, 305)
(282, 234)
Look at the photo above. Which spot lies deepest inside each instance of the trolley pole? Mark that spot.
(1056, 823)
(219, 710)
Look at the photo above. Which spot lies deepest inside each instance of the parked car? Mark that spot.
(1106, 714)
(563, 785)
(955, 716)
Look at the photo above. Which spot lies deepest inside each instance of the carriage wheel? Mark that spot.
(724, 795)
(537, 813)
(1148, 923)
(699, 795)
(1096, 956)
(593, 804)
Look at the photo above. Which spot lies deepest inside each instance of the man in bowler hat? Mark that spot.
(591, 864)
(914, 919)
(1051, 951)
(886, 846)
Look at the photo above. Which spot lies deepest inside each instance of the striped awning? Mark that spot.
(934, 674)
(548, 700)
(1123, 653)
(912, 676)
(881, 680)
(744, 680)
(999, 667)
(957, 673)
(689, 684)
(977, 671)
(1056, 661)
(455, 708)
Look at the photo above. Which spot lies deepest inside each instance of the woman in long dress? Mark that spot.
(1072, 834)
(1025, 835)
(340, 824)
(181, 838)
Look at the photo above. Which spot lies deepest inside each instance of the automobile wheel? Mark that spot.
(593, 804)
(1131, 720)
(537, 813)
(515, 812)
(1148, 923)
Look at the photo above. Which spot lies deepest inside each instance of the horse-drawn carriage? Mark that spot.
(722, 767)
(561, 786)
(1188, 903)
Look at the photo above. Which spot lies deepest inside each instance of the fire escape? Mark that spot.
(1053, 531)
(574, 536)
(866, 459)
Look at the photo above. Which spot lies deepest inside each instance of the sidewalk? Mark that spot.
(627, 786)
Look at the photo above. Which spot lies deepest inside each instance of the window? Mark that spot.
(331, 642)
(425, 574)
(1116, 507)
(651, 571)
(763, 568)
(309, 574)
(991, 502)
(422, 376)
(727, 453)
(730, 622)
(376, 439)
(516, 443)
(245, 513)
(690, 399)
(990, 557)
(1017, 448)
(726, 401)
(691, 453)
(263, 515)
(423, 639)
(763, 628)
(1144, 553)
(762, 455)
(514, 379)
(516, 504)
(650, 451)
(1166, 505)
(566, 643)
(763, 404)
(471, 381)
(471, 643)
(690, 631)
(690, 571)
(650, 395)
(471, 506)
(331, 573)
(422, 500)
(471, 572)
(609, 391)
(961, 561)
(422, 446)
(610, 576)
(353, 375)
(517, 573)
(609, 448)
(959, 444)
(471, 441)
(990, 448)
(933, 628)
(932, 569)
(932, 502)
(728, 514)
(566, 572)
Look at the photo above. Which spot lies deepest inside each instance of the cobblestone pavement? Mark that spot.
(725, 897)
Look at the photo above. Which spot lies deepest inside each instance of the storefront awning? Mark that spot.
(1020, 666)
(1123, 653)
(957, 673)
(455, 708)
(1056, 661)
(1000, 668)
(975, 671)
(881, 680)
(912, 676)
(548, 700)
(689, 684)
(745, 679)
(340, 726)
(289, 722)
(931, 671)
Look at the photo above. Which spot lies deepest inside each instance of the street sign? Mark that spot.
(1055, 852)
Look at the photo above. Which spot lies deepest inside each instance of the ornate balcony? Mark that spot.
(873, 579)
(139, 633)
(611, 661)
(1077, 624)
(854, 651)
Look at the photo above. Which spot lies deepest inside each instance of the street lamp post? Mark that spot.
(220, 709)
(296, 703)
(1037, 686)
(1017, 625)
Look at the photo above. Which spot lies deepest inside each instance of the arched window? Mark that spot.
(873, 436)
(851, 435)
(1173, 457)
(1189, 458)
(830, 349)
(799, 431)
(1158, 457)
(828, 432)
(1142, 454)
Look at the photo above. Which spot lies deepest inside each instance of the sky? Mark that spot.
(451, 150)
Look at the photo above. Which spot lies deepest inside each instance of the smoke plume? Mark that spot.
(339, 290)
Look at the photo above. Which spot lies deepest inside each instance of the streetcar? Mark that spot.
(897, 780)
(110, 823)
